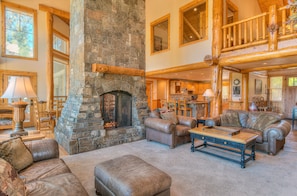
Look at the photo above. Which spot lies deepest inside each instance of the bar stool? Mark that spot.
(183, 109)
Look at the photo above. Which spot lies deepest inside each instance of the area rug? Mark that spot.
(198, 174)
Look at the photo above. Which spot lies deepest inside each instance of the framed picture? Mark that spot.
(157, 43)
(258, 86)
(236, 91)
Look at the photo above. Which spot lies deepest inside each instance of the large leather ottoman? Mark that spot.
(130, 175)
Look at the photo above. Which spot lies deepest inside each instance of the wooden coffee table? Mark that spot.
(237, 143)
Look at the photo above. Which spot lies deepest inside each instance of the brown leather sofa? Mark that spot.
(170, 132)
(269, 126)
(47, 175)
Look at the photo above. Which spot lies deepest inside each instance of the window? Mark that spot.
(276, 84)
(19, 31)
(292, 81)
(60, 43)
(193, 21)
(60, 77)
(160, 34)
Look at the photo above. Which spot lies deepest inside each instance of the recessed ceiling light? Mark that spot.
(195, 9)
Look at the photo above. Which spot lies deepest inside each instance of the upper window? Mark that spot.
(276, 84)
(160, 34)
(19, 31)
(292, 81)
(193, 22)
(60, 42)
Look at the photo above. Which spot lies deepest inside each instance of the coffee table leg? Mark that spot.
(253, 154)
(192, 146)
(242, 161)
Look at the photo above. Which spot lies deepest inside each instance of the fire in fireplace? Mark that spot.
(116, 109)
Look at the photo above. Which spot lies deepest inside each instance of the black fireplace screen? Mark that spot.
(116, 109)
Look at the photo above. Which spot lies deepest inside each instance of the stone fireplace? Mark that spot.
(106, 104)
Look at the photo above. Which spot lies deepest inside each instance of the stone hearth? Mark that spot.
(110, 33)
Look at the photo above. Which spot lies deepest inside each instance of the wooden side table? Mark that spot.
(37, 136)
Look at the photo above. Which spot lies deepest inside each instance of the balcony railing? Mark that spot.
(258, 30)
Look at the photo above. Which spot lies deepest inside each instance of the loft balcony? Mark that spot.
(259, 40)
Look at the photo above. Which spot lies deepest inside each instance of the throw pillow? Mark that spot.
(10, 183)
(16, 153)
(230, 119)
(264, 120)
(169, 115)
(155, 114)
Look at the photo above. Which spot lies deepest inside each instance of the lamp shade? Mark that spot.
(208, 93)
(19, 87)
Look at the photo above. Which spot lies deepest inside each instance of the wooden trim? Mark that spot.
(181, 21)
(189, 67)
(49, 66)
(154, 23)
(258, 56)
(22, 9)
(55, 11)
(102, 68)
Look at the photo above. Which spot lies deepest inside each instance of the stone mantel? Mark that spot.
(102, 68)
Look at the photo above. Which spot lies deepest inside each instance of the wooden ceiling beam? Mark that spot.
(57, 12)
(267, 68)
(177, 69)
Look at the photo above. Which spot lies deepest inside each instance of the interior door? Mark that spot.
(290, 98)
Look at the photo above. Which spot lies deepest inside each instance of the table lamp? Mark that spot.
(19, 87)
(208, 94)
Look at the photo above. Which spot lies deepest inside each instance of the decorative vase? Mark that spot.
(253, 107)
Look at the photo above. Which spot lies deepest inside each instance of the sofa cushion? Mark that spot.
(10, 183)
(260, 121)
(170, 115)
(230, 119)
(43, 169)
(243, 117)
(16, 153)
(62, 185)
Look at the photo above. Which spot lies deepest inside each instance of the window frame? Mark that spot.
(62, 37)
(23, 9)
(153, 24)
(278, 89)
(181, 21)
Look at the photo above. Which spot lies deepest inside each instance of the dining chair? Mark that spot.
(43, 119)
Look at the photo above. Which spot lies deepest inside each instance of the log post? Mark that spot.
(245, 91)
(272, 28)
(216, 52)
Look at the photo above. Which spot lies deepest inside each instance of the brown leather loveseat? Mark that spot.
(269, 126)
(35, 169)
(168, 128)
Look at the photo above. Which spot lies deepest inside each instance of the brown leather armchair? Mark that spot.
(167, 131)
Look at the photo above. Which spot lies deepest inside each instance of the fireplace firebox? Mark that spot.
(116, 109)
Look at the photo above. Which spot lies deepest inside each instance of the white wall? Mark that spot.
(38, 66)
(246, 8)
(176, 56)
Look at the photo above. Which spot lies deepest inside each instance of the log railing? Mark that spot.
(286, 29)
(255, 30)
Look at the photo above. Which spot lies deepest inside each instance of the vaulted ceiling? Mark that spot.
(265, 4)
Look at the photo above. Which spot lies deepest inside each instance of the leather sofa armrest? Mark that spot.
(277, 130)
(43, 149)
(213, 121)
(159, 124)
(187, 121)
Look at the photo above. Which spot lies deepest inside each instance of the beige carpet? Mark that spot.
(201, 174)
